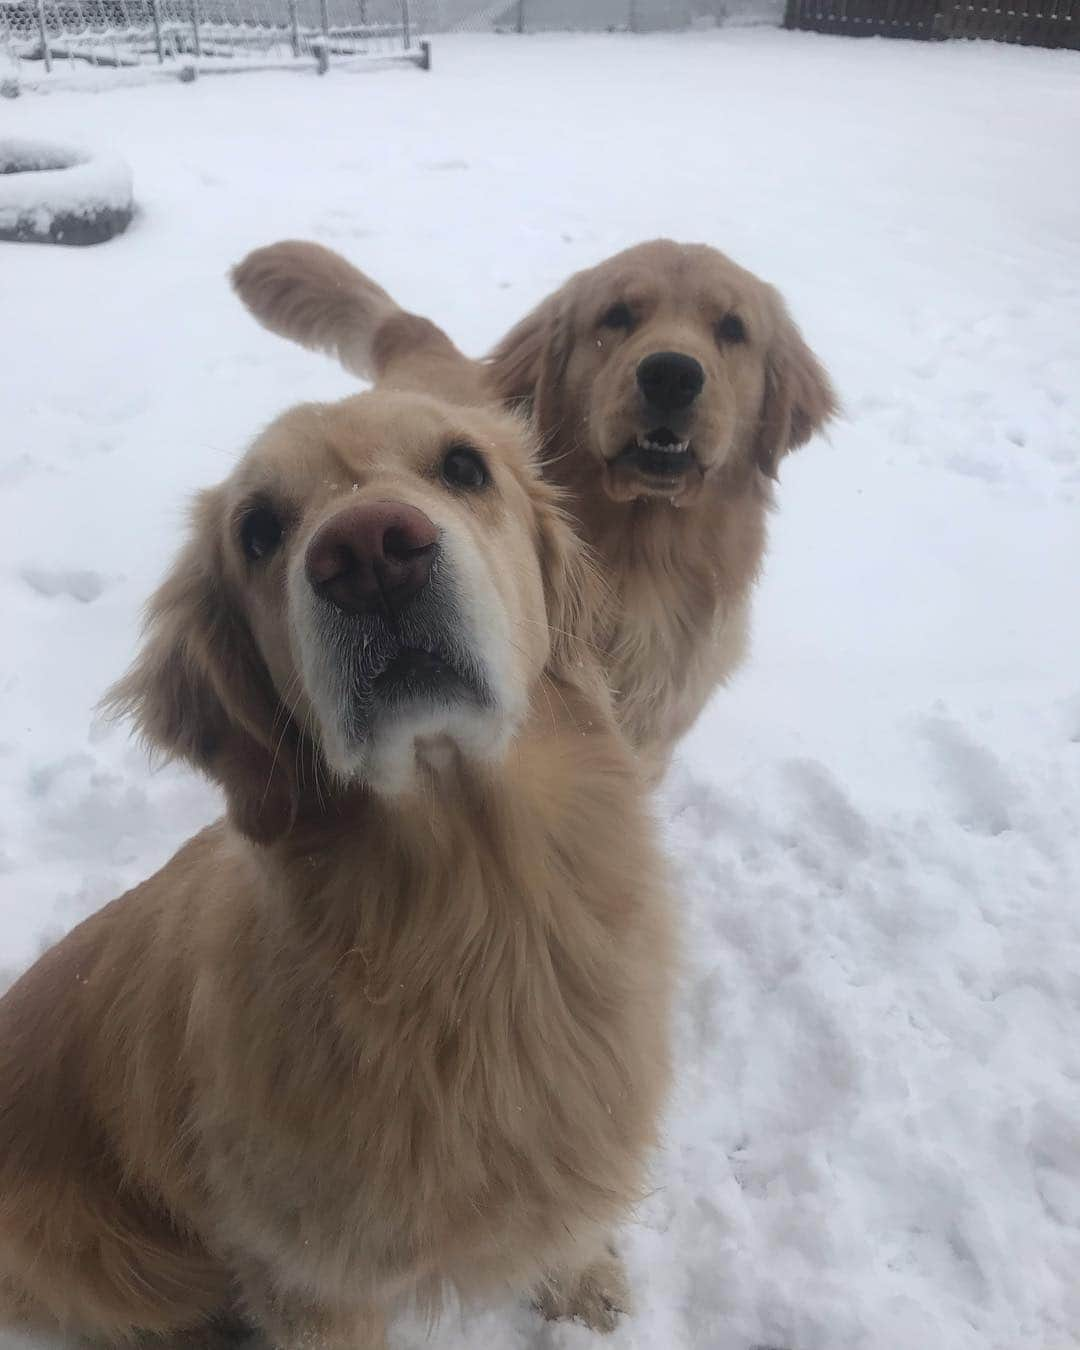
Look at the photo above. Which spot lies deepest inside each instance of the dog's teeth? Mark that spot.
(677, 448)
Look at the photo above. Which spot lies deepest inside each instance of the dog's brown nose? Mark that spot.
(670, 381)
(372, 556)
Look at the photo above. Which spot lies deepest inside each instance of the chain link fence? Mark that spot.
(193, 37)
(612, 16)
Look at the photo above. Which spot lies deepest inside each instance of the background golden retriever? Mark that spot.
(401, 1021)
(666, 384)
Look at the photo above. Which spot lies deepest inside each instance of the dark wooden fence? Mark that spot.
(1037, 23)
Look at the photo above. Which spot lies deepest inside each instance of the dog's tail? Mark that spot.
(317, 298)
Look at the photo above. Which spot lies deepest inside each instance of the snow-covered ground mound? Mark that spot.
(875, 1142)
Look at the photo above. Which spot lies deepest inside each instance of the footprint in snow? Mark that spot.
(974, 466)
(343, 224)
(984, 796)
(82, 586)
(43, 779)
(829, 805)
(20, 467)
(1072, 719)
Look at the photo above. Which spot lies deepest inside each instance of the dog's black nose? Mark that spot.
(670, 381)
(372, 556)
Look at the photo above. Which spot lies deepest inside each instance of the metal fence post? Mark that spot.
(195, 34)
(294, 26)
(155, 14)
(44, 32)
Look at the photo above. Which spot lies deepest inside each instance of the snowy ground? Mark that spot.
(876, 1137)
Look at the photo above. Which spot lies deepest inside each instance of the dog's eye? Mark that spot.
(260, 533)
(731, 329)
(618, 316)
(464, 467)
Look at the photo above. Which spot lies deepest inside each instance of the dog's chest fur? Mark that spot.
(465, 1062)
(676, 624)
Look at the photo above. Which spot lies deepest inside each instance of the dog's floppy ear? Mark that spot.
(799, 398)
(527, 364)
(200, 691)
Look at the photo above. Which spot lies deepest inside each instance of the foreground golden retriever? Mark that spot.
(400, 1022)
(666, 385)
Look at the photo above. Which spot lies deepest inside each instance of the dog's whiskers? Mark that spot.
(316, 763)
(282, 708)
(545, 678)
(562, 632)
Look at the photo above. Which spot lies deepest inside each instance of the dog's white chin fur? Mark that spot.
(389, 759)
(399, 741)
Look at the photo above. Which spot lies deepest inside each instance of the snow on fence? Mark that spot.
(202, 36)
(1037, 23)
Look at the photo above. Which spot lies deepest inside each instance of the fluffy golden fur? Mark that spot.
(680, 556)
(350, 1046)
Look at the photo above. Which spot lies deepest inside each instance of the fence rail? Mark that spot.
(1038, 23)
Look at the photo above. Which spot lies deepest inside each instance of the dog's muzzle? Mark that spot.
(389, 618)
(660, 460)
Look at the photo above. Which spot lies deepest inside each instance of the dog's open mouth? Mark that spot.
(423, 673)
(656, 463)
(395, 674)
(659, 453)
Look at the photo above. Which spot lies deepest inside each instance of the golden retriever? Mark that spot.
(666, 385)
(399, 1024)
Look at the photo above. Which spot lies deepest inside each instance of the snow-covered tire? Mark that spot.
(61, 194)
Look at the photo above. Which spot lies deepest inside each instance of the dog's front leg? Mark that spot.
(291, 1321)
(594, 1291)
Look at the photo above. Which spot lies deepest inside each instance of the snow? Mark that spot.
(9, 77)
(875, 1139)
(41, 181)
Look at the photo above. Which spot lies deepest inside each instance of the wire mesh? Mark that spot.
(536, 16)
(207, 35)
(210, 35)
